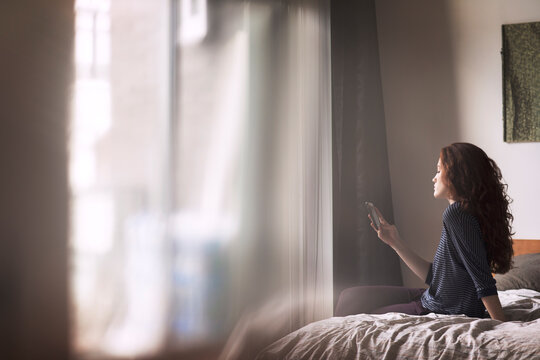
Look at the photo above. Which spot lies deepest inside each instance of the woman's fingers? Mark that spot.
(373, 225)
(377, 230)
(372, 222)
(380, 216)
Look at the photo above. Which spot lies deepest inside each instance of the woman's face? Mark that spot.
(440, 187)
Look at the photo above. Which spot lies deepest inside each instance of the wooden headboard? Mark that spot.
(523, 246)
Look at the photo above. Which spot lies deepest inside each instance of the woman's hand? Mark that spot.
(387, 233)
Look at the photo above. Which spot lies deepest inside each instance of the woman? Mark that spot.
(475, 241)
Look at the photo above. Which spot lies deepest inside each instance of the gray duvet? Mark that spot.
(432, 336)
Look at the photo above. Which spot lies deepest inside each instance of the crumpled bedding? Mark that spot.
(432, 336)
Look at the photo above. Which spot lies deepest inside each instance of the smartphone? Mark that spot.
(374, 216)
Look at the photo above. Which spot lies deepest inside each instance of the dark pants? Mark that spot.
(380, 300)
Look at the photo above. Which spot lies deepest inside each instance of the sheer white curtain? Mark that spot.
(181, 225)
(288, 201)
(254, 159)
(310, 105)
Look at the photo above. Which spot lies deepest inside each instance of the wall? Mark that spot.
(442, 82)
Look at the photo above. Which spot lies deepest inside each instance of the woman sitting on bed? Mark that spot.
(475, 241)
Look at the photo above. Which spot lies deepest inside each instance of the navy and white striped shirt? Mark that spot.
(460, 274)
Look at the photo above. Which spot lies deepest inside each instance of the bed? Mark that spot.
(432, 336)
(401, 336)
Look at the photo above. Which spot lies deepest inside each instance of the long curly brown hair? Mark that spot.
(475, 181)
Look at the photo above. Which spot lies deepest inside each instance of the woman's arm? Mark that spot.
(389, 234)
(417, 264)
(494, 308)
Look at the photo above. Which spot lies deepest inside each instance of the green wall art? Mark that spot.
(521, 82)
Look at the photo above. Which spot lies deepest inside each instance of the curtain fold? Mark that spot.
(288, 209)
(284, 254)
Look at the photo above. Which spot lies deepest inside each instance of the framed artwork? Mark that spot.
(521, 82)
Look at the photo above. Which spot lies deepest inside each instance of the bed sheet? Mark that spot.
(432, 336)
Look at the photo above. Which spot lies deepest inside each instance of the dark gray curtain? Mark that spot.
(360, 160)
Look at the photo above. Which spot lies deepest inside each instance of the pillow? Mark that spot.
(524, 275)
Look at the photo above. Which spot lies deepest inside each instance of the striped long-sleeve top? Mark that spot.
(460, 274)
